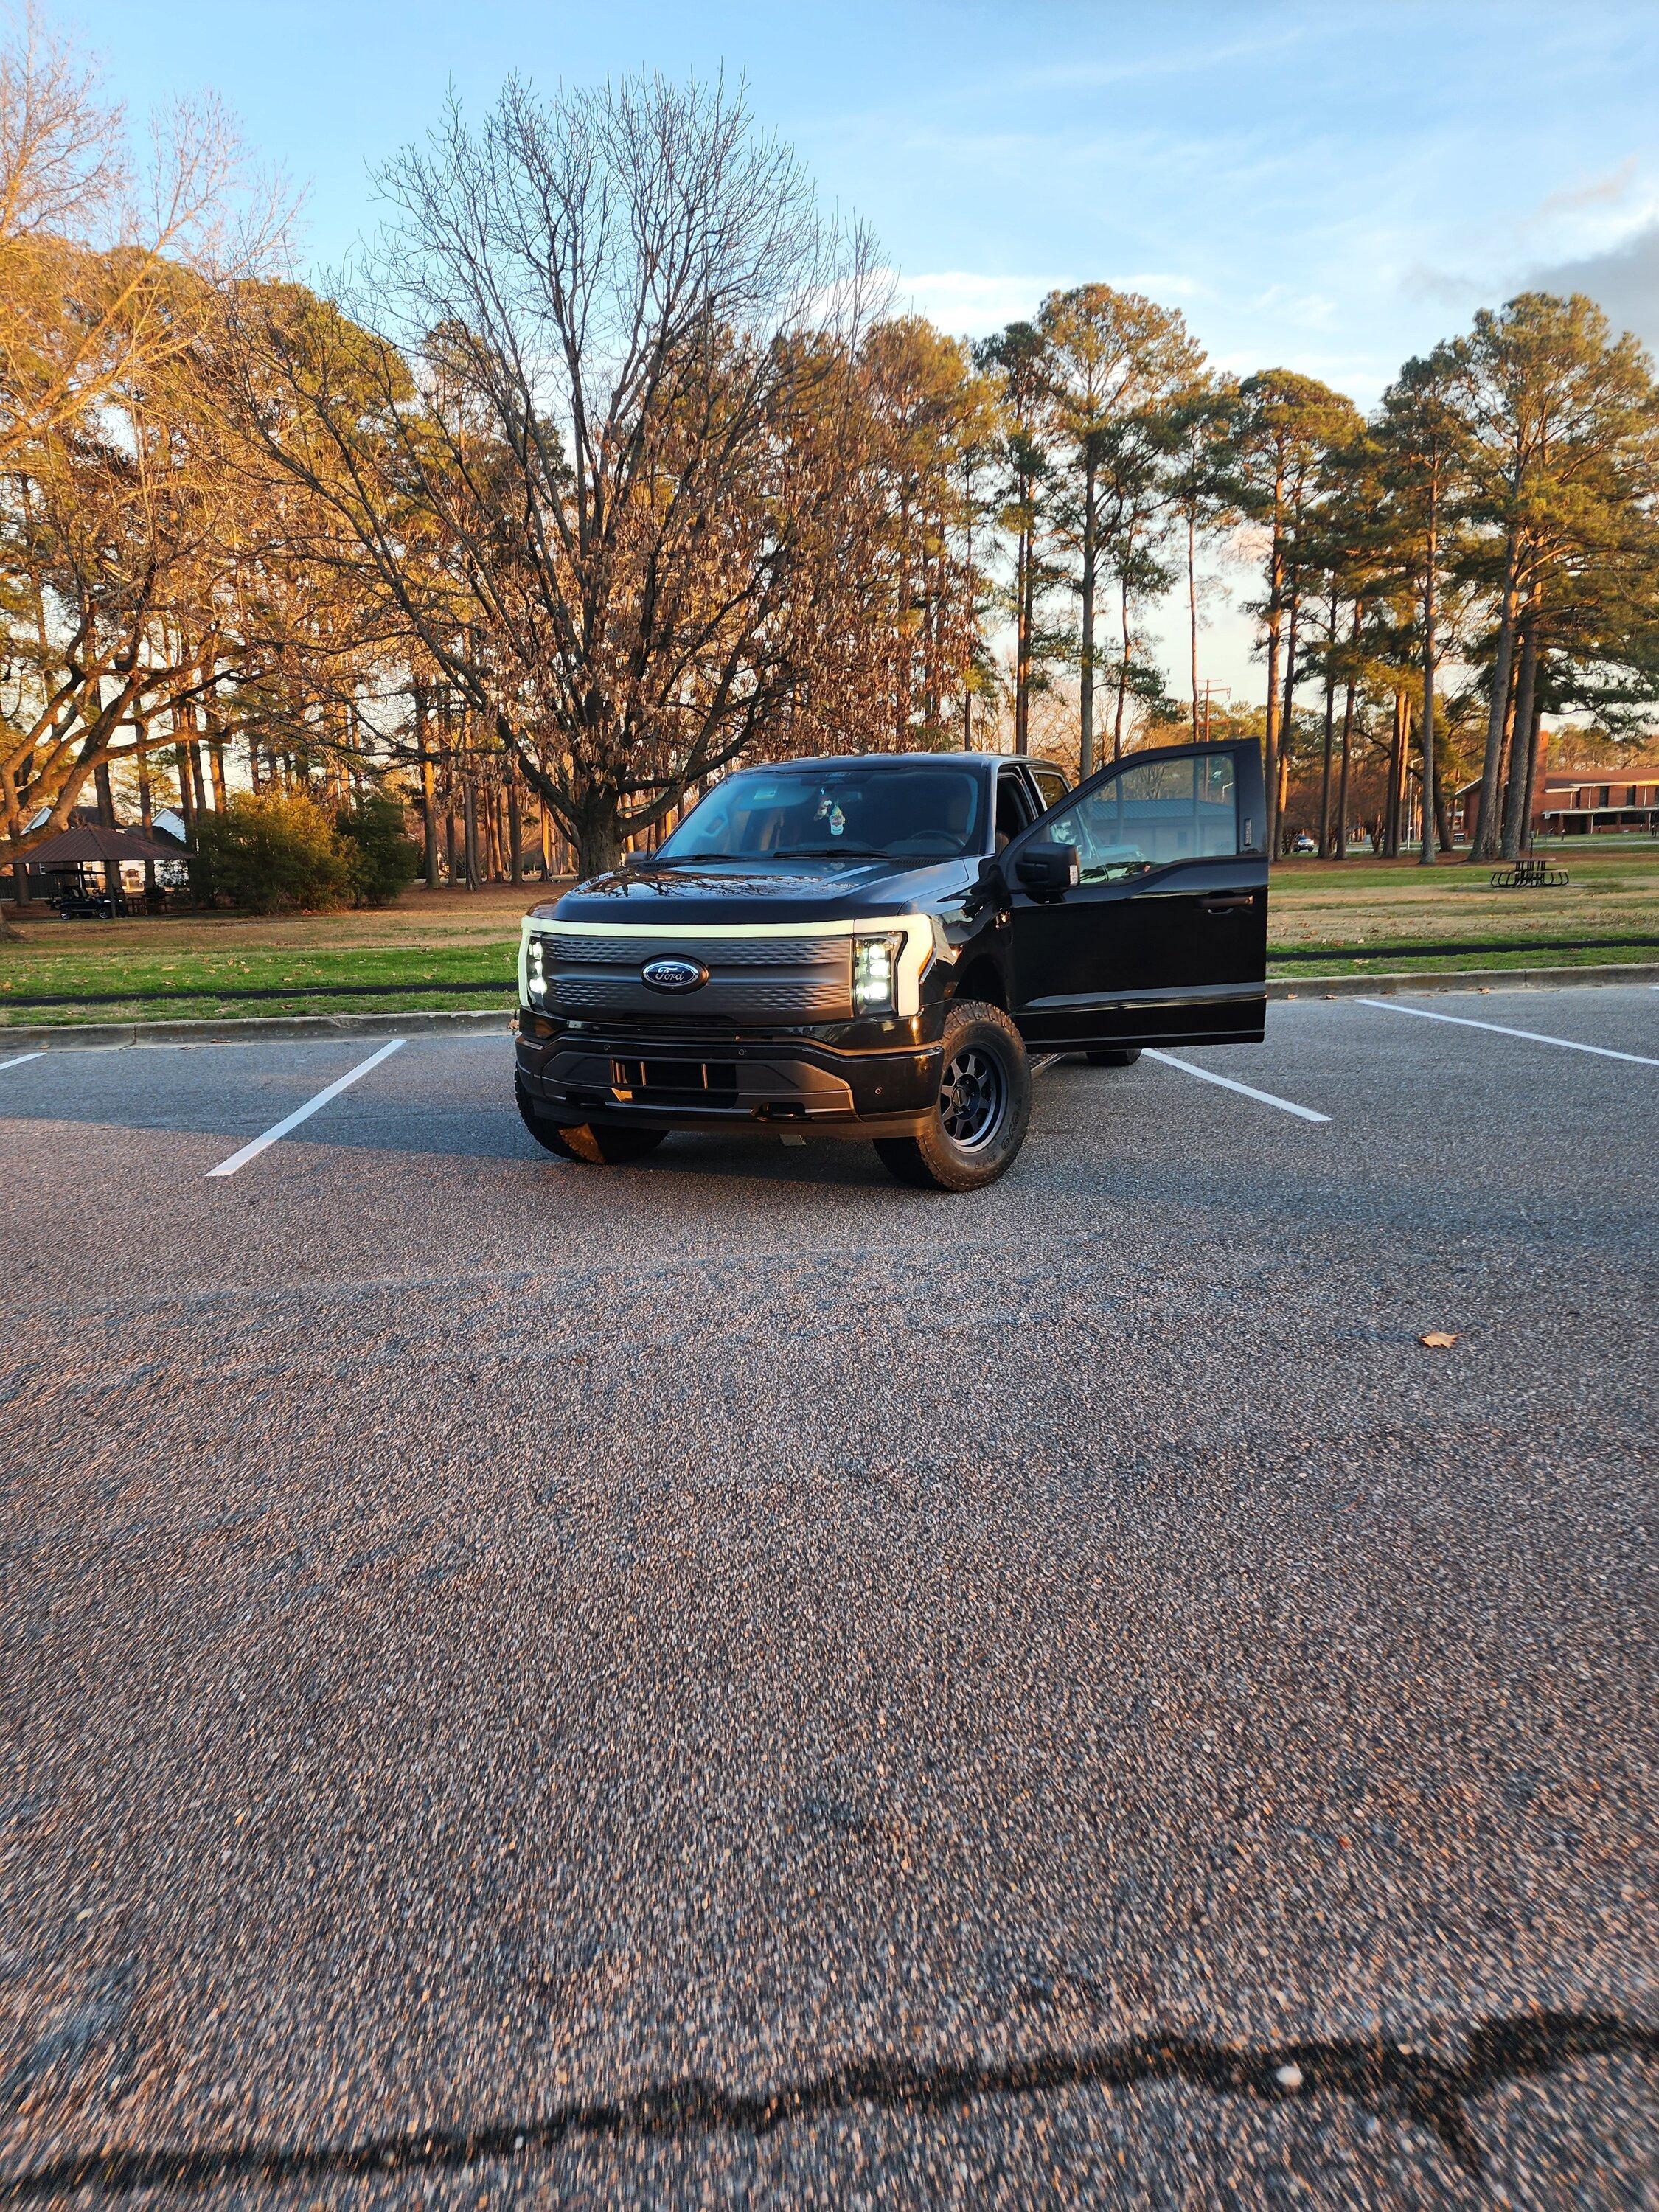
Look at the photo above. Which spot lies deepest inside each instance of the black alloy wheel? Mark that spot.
(593, 1143)
(973, 1098)
(984, 1104)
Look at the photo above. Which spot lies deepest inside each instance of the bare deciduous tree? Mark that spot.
(606, 507)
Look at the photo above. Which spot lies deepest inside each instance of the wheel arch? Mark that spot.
(981, 978)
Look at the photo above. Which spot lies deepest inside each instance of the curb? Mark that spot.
(259, 1029)
(278, 1029)
(1459, 979)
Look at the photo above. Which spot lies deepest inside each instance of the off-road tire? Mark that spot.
(1124, 1057)
(591, 1143)
(985, 1094)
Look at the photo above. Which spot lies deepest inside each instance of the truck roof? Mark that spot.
(885, 760)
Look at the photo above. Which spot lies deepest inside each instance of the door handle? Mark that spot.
(1224, 902)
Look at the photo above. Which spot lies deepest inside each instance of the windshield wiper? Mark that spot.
(820, 852)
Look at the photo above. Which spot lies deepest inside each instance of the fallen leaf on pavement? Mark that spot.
(1439, 1340)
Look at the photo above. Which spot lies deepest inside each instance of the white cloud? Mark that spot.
(970, 304)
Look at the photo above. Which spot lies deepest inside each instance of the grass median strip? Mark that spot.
(1459, 947)
(1287, 966)
(500, 986)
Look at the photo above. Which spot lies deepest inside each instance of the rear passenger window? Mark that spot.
(1051, 784)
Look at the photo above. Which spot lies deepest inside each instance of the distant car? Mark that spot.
(1304, 843)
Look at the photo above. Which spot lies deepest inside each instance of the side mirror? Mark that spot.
(1046, 869)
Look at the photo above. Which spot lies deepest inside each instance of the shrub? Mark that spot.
(272, 851)
(383, 862)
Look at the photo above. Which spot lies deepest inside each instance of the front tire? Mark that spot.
(1124, 1056)
(590, 1142)
(984, 1104)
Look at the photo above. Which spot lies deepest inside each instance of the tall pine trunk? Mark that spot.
(1192, 612)
(1086, 678)
(1517, 797)
(1425, 858)
(470, 819)
(1390, 822)
(1024, 613)
(1286, 721)
(1123, 665)
(1275, 616)
(1534, 740)
(186, 796)
(429, 791)
(146, 799)
(1484, 844)
(1327, 748)
(1347, 756)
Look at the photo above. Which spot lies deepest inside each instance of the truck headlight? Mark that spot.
(535, 976)
(875, 970)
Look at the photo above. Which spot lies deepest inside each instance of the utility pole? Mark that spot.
(1221, 691)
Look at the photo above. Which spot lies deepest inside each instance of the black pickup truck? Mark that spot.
(872, 947)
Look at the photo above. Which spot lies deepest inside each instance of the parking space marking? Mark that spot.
(252, 1150)
(1498, 1029)
(21, 1058)
(1227, 1082)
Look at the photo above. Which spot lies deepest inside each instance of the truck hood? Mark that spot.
(757, 890)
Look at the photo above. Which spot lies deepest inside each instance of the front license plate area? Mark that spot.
(675, 1082)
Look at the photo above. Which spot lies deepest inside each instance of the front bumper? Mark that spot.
(787, 1081)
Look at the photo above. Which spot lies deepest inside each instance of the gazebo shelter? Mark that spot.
(93, 844)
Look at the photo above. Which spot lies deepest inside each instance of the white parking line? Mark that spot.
(1267, 1097)
(303, 1113)
(1531, 1036)
(21, 1058)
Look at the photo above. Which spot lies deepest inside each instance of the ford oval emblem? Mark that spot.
(674, 974)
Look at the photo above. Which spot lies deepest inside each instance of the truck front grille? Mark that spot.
(763, 981)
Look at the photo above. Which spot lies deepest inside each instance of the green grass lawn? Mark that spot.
(138, 973)
(1321, 913)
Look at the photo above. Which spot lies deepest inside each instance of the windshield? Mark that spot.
(908, 812)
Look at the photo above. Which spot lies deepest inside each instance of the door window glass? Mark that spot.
(1144, 817)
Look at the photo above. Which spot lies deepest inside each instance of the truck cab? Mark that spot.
(876, 945)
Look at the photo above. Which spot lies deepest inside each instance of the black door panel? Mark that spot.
(1163, 937)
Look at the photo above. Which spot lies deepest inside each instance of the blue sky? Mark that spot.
(1329, 187)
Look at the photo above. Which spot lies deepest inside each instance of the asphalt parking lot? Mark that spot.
(728, 1681)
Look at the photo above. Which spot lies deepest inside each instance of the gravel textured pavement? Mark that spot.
(729, 1682)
